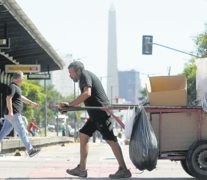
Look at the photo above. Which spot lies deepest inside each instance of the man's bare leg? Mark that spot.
(118, 153)
(84, 147)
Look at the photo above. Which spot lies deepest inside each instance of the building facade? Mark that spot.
(129, 86)
(60, 79)
(112, 71)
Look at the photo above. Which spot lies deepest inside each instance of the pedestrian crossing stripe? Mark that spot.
(10, 158)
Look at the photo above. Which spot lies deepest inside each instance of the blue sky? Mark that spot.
(80, 28)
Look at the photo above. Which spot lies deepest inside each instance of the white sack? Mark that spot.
(201, 79)
(129, 121)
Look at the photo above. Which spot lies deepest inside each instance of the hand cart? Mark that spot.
(181, 133)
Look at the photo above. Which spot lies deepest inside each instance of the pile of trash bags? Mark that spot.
(143, 147)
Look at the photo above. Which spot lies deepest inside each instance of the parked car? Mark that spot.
(51, 127)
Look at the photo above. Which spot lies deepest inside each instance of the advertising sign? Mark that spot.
(24, 68)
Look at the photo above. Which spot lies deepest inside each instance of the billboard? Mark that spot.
(30, 68)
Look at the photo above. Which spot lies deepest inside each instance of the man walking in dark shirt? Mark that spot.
(93, 94)
(12, 113)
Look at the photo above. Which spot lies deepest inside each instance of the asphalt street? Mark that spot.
(52, 162)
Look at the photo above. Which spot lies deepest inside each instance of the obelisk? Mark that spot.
(112, 71)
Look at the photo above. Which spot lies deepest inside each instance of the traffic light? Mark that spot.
(147, 42)
(117, 99)
(50, 105)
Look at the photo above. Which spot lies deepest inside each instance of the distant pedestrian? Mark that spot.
(24, 119)
(12, 112)
(31, 126)
(84, 122)
(63, 127)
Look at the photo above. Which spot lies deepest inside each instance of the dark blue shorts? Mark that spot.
(103, 125)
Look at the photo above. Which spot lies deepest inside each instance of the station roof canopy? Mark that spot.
(27, 45)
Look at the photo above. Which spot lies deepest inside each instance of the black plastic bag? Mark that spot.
(143, 148)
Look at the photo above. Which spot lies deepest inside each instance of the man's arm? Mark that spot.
(9, 106)
(27, 101)
(36, 126)
(85, 95)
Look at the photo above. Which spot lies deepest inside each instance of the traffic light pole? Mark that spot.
(147, 42)
(111, 94)
(57, 124)
(54, 105)
(45, 108)
(175, 49)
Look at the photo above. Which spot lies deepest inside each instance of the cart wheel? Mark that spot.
(185, 167)
(196, 159)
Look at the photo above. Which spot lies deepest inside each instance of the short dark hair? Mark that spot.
(76, 65)
(17, 75)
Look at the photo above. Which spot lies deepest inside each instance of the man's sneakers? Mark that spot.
(34, 152)
(77, 172)
(121, 174)
(83, 173)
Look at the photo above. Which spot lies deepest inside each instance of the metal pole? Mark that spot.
(169, 70)
(54, 104)
(74, 115)
(111, 94)
(45, 108)
(57, 124)
(174, 49)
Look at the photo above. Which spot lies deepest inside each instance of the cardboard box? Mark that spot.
(167, 90)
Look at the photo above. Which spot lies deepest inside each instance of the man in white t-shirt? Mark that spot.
(25, 121)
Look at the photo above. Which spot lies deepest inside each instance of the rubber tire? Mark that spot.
(184, 162)
(185, 167)
(190, 159)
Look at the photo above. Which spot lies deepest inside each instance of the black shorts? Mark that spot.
(104, 126)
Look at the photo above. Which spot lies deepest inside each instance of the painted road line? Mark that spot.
(10, 158)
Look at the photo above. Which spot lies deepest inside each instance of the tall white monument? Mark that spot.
(112, 71)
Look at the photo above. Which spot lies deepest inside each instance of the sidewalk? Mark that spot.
(52, 170)
(52, 162)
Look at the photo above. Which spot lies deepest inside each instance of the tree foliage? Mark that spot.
(143, 98)
(190, 73)
(190, 68)
(34, 91)
(201, 42)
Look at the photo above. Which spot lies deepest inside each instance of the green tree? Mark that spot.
(190, 68)
(201, 42)
(144, 95)
(190, 73)
(33, 92)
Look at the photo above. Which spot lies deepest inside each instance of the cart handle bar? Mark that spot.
(107, 109)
